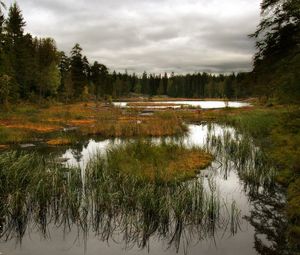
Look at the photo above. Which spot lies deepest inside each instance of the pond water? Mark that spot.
(257, 227)
(178, 104)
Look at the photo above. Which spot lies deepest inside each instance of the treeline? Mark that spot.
(34, 69)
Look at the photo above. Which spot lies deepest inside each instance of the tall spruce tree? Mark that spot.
(64, 67)
(14, 47)
(77, 69)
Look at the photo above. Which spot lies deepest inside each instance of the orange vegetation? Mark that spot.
(59, 141)
(44, 128)
(128, 127)
(25, 122)
(184, 166)
(82, 122)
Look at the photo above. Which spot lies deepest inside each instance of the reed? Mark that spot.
(37, 192)
(251, 162)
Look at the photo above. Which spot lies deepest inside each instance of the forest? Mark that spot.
(95, 159)
(33, 68)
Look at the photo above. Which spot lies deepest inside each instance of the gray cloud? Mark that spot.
(153, 35)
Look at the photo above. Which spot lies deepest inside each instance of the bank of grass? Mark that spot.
(191, 115)
(277, 131)
(131, 124)
(164, 162)
(28, 123)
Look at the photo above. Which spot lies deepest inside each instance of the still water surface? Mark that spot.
(246, 239)
(178, 104)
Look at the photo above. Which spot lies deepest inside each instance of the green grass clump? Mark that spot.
(11, 136)
(157, 162)
(258, 123)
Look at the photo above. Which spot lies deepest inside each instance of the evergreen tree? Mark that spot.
(99, 74)
(77, 69)
(48, 78)
(64, 67)
(277, 59)
(145, 83)
(15, 23)
(15, 48)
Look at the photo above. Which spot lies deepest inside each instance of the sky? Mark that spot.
(181, 36)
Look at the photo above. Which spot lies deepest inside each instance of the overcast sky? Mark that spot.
(153, 35)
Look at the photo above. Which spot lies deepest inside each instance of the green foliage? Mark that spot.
(15, 22)
(38, 70)
(277, 62)
(276, 130)
(77, 71)
(5, 89)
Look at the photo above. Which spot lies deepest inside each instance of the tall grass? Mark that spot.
(36, 191)
(252, 165)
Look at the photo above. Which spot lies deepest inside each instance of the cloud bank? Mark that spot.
(152, 35)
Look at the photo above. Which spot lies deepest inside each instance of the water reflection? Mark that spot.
(179, 104)
(94, 209)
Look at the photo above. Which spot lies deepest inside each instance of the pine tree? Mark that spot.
(64, 67)
(15, 23)
(78, 75)
(99, 73)
(15, 47)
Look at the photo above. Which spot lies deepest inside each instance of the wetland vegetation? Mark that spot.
(94, 160)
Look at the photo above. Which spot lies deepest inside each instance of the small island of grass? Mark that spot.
(158, 162)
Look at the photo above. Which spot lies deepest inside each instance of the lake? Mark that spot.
(248, 218)
(191, 103)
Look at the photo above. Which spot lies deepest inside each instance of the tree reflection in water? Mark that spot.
(37, 195)
(267, 199)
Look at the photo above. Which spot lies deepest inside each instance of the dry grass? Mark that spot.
(59, 141)
(162, 163)
(137, 126)
(3, 146)
(183, 167)
(30, 122)
(26, 122)
(39, 127)
(196, 115)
